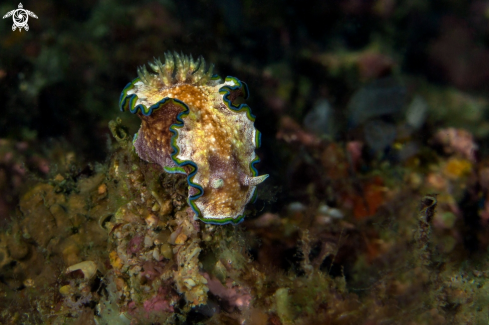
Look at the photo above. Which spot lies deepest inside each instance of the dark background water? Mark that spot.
(63, 77)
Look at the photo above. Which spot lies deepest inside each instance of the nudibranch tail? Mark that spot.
(194, 123)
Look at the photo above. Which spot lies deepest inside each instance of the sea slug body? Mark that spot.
(195, 124)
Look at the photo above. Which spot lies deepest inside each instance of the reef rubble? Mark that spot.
(120, 245)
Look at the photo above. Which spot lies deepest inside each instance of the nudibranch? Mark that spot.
(194, 123)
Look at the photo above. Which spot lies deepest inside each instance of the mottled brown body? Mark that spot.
(194, 123)
(221, 143)
(153, 143)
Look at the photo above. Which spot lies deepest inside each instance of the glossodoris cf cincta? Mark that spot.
(195, 124)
